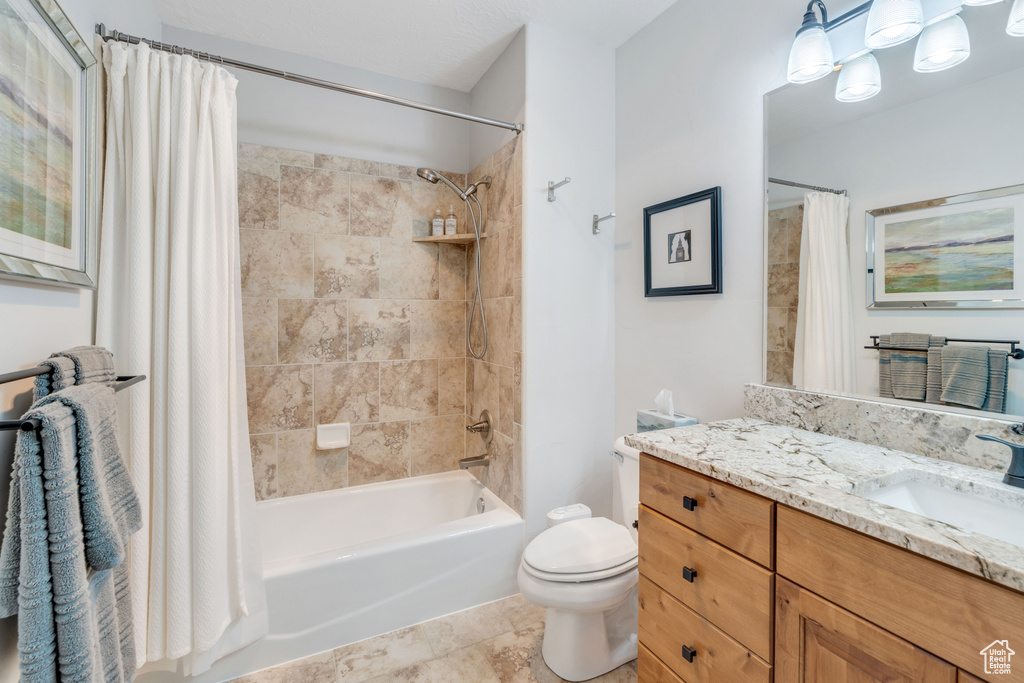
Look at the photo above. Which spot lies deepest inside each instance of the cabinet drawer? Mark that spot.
(728, 590)
(739, 520)
(949, 613)
(667, 626)
(650, 669)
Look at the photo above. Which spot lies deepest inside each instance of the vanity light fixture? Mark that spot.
(892, 22)
(811, 55)
(942, 45)
(1015, 26)
(860, 79)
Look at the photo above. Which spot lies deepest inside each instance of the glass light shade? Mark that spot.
(891, 22)
(942, 45)
(859, 80)
(811, 56)
(1015, 26)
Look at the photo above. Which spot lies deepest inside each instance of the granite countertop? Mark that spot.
(820, 474)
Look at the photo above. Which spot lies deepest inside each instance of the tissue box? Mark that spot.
(651, 420)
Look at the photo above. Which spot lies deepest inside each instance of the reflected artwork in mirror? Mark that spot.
(928, 208)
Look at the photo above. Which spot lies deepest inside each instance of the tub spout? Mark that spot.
(480, 460)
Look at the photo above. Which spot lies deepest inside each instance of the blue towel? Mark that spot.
(62, 570)
(60, 376)
(92, 364)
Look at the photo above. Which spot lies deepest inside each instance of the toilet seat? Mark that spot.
(580, 551)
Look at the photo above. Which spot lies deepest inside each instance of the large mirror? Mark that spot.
(910, 239)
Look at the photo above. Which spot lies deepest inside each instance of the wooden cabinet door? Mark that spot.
(818, 642)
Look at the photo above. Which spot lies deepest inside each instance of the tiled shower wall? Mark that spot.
(347, 320)
(495, 382)
(785, 228)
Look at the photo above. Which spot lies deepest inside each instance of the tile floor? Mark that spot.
(494, 643)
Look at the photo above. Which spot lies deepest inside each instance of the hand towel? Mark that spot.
(885, 368)
(908, 366)
(933, 381)
(998, 363)
(60, 376)
(92, 364)
(965, 375)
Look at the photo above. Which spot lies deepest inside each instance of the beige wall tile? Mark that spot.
(506, 400)
(264, 465)
(257, 201)
(347, 267)
(312, 331)
(408, 389)
(791, 330)
(438, 329)
(280, 397)
(436, 444)
(783, 284)
(267, 161)
(491, 277)
(499, 331)
(314, 200)
(777, 237)
(451, 389)
(498, 475)
(780, 368)
(276, 264)
(346, 164)
(452, 272)
(778, 323)
(374, 204)
(517, 462)
(506, 262)
(486, 382)
(794, 232)
(408, 270)
(398, 171)
(259, 330)
(517, 175)
(517, 315)
(500, 197)
(379, 330)
(379, 452)
(346, 392)
(517, 244)
(517, 389)
(304, 469)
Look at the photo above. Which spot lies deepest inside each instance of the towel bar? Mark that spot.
(31, 425)
(1015, 353)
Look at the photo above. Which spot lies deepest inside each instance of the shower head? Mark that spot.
(485, 181)
(428, 175)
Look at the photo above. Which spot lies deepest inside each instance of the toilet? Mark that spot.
(584, 571)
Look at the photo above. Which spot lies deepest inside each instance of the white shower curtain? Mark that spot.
(823, 358)
(169, 306)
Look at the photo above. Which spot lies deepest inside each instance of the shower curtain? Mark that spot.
(169, 306)
(823, 358)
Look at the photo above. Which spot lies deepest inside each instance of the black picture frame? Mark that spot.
(713, 194)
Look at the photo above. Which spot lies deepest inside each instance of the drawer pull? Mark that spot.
(689, 574)
(689, 653)
(689, 503)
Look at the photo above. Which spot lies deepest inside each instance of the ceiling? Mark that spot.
(449, 43)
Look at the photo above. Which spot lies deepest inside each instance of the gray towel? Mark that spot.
(60, 376)
(71, 504)
(933, 381)
(965, 375)
(903, 373)
(995, 402)
(92, 364)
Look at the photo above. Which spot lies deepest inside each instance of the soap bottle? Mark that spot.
(451, 226)
(437, 229)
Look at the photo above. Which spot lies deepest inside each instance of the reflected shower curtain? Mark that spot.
(823, 358)
(169, 306)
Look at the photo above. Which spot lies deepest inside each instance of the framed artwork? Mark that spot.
(965, 251)
(48, 147)
(683, 245)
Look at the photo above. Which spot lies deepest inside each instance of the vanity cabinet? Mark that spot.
(735, 587)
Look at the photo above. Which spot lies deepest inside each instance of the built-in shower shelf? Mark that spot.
(448, 239)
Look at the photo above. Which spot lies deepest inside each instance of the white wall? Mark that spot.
(568, 278)
(689, 116)
(499, 94)
(41, 319)
(275, 112)
(935, 147)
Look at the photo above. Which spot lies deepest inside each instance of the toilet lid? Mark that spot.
(580, 546)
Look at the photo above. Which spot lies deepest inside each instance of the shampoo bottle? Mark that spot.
(451, 226)
(437, 229)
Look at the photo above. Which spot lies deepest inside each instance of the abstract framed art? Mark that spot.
(683, 245)
(48, 147)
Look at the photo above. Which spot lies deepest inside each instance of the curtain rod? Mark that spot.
(102, 32)
(790, 183)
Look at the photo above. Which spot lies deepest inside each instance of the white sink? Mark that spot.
(974, 511)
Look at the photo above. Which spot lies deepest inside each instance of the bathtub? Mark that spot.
(345, 565)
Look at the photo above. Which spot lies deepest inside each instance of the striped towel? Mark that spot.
(965, 375)
(92, 364)
(909, 368)
(885, 368)
(995, 402)
(60, 376)
(933, 383)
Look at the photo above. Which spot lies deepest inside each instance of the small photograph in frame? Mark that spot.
(683, 245)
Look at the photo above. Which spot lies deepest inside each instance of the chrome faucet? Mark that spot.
(1015, 474)
(485, 429)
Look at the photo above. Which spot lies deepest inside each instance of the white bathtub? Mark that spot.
(345, 565)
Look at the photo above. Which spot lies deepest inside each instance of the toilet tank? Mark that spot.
(625, 485)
